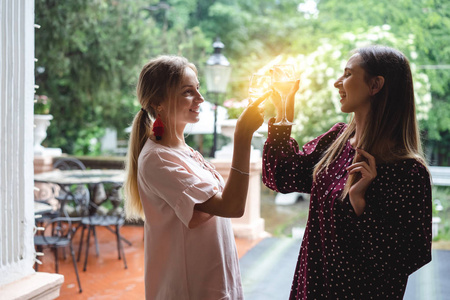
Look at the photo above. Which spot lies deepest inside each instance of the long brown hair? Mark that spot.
(391, 131)
(157, 83)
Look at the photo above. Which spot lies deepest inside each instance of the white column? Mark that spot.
(17, 277)
(16, 140)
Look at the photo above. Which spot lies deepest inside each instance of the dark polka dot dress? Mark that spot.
(344, 256)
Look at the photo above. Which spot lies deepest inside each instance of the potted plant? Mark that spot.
(42, 119)
(41, 105)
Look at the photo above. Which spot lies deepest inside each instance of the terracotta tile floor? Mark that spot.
(106, 277)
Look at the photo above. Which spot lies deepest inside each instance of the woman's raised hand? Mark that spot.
(252, 117)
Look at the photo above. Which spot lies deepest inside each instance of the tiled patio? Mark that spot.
(105, 277)
(267, 267)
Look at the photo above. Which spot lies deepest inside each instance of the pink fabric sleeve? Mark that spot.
(167, 176)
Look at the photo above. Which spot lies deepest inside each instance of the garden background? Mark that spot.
(91, 51)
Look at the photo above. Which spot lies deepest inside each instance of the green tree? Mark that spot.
(88, 53)
(92, 52)
(427, 23)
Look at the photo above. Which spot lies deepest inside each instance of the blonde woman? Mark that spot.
(369, 223)
(190, 251)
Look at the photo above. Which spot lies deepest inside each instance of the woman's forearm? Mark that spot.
(236, 188)
(231, 202)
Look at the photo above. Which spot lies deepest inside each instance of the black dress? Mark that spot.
(344, 256)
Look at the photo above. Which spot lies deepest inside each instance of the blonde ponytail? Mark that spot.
(138, 137)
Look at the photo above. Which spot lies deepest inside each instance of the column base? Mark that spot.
(251, 231)
(42, 286)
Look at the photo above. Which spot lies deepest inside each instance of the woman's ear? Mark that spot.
(156, 108)
(376, 84)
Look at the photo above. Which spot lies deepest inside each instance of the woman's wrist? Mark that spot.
(358, 203)
(241, 172)
(243, 137)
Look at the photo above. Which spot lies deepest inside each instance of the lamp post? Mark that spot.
(217, 73)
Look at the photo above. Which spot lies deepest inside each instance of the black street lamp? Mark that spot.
(217, 73)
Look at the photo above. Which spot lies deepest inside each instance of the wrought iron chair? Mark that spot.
(46, 192)
(77, 195)
(108, 214)
(58, 233)
(56, 196)
(72, 199)
(69, 163)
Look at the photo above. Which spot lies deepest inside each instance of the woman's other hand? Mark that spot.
(366, 168)
(252, 117)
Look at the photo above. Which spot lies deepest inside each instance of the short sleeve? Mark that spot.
(167, 176)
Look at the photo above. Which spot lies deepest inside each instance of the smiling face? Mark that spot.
(353, 88)
(187, 100)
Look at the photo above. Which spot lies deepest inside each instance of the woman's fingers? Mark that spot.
(360, 169)
(276, 99)
(357, 167)
(357, 170)
(258, 101)
(296, 87)
(369, 157)
(366, 167)
(261, 110)
(253, 112)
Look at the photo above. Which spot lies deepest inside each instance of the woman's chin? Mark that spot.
(344, 110)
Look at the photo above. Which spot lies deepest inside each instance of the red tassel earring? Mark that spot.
(158, 128)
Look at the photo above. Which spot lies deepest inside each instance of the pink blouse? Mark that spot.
(189, 254)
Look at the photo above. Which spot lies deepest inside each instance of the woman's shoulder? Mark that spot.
(339, 126)
(153, 153)
(405, 167)
(404, 163)
(335, 131)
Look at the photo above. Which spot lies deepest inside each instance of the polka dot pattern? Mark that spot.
(344, 256)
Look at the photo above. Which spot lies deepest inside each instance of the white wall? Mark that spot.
(16, 139)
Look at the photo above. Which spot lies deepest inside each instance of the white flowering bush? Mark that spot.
(317, 105)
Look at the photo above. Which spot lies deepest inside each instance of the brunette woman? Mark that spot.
(369, 224)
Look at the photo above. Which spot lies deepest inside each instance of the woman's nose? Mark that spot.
(199, 98)
(338, 82)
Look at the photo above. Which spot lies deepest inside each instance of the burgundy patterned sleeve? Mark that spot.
(286, 168)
